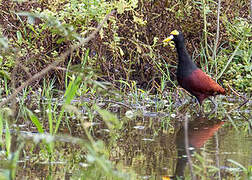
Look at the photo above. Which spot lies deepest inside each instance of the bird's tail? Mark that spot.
(221, 90)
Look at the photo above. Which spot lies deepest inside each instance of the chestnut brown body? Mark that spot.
(199, 84)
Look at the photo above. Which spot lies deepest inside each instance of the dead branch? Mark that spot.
(61, 58)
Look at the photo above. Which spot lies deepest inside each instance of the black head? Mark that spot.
(176, 36)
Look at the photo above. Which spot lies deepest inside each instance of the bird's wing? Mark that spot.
(201, 82)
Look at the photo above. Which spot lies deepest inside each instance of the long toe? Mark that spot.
(214, 103)
(212, 111)
(201, 110)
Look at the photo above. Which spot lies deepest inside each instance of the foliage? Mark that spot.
(239, 71)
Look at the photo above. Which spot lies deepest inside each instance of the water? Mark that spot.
(215, 142)
(151, 143)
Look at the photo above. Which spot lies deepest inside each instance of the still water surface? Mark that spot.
(155, 149)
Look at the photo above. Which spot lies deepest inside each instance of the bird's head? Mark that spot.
(175, 36)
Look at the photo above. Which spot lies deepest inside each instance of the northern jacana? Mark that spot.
(189, 76)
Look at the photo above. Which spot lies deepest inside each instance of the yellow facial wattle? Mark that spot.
(175, 32)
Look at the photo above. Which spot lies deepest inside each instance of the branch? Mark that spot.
(61, 58)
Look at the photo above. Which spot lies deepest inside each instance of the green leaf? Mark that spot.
(7, 138)
(19, 37)
(3, 42)
(35, 121)
(121, 6)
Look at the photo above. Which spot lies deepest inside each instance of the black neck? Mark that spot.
(183, 55)
(186, 65)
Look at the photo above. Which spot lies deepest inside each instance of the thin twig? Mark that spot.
(205, 27)
(61, 58)
(246, 100)
(236, 93)
(187, 147)
(242, 104)
(217, 35)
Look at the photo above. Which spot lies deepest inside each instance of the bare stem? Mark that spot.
(217, 35)
(205, 27)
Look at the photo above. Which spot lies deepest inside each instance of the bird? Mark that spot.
(189, 76)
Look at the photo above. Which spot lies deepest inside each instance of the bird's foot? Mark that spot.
(212, 112)
(201, 110)
(214, 108)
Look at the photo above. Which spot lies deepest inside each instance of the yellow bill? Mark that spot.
(168, 40)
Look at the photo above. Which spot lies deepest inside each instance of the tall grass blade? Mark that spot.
(69, 95)
(14, 161)
(7, 139)
(35, 121)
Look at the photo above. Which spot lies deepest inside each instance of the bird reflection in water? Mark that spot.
(199, 131)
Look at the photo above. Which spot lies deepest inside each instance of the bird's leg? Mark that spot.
(215, 107)
(214, 103)
(201, 109)
(195, 100)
